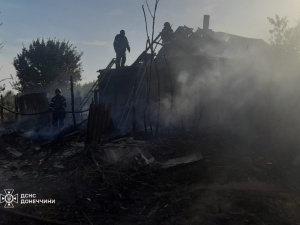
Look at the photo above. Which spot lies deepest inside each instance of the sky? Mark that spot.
(91, 25)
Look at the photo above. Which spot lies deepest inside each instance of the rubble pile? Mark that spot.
(55, 167)
(179, 177)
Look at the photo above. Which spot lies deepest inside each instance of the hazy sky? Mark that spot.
(91, 25)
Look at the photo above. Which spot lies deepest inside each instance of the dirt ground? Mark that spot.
(240, 180)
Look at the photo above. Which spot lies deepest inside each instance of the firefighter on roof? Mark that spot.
(120, 46)
(58, 105)
(166, 33)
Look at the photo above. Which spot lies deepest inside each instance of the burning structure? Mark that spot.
(192, 81)
(200, 79)
(167, 88)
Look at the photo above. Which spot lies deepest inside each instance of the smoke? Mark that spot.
(254, 89)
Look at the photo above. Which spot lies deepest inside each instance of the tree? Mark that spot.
(47, 65)
(286, 39)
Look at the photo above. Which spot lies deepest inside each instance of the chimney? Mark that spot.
(206, 22)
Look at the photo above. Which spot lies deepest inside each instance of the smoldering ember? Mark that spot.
(201, 129)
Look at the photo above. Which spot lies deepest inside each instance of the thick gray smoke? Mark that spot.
(254, 89)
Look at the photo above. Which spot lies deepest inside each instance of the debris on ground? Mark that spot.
(13, 152)
(176, 178)
(182, 160)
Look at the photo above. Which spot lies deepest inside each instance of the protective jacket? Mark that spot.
(121, 43)
(58, 102)
(166, 35)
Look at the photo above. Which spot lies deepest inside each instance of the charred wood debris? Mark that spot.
(84, 161)
(29, 154)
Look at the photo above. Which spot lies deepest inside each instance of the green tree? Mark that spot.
(47, 65)
(286, 39)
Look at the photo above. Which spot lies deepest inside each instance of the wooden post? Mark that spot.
(2, 108)
(98, 124)
(72, 100)
(16, 107)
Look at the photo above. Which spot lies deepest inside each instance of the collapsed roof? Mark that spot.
(213, 44)
(193, 62)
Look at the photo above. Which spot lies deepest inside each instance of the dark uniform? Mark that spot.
(120, 46)
(58, 105)
(166, 33)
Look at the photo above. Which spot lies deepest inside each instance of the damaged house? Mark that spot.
(155, 93)
(178, 86)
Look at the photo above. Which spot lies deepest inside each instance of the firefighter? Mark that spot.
(58, 105)
(166, 33)
(120, 46)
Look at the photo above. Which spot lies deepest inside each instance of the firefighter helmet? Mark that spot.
(167, 24)
(57, 91)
